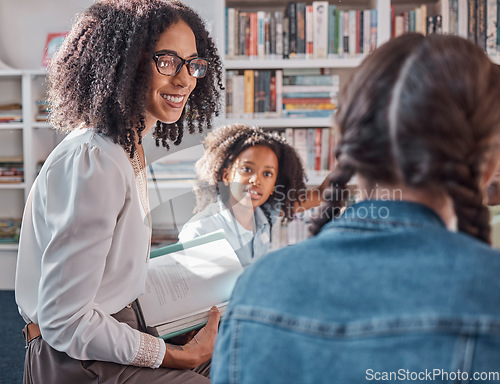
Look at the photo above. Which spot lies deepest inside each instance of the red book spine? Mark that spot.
(317, 149)
(253, 34)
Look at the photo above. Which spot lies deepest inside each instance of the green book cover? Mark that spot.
(219, 235)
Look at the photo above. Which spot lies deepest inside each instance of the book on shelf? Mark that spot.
(9, 230)
(254, 93)
(285, 232)
(491, 28)
(184, 281)
(43, 110)
(309, 27)
(11, 170)
(11, 113)
(298, 30)
(314, 146)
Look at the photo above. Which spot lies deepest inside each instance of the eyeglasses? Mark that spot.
(169, 64)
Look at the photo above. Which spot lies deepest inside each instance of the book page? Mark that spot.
(189, 280)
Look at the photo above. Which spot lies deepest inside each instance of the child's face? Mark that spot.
(252, 176)
(167, 95)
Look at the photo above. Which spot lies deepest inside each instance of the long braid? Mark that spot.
(334, 198)
(364, 145)
(450, 154)
(417, 114)
(462, 185)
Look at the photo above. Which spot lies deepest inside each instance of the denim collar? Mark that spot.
(388, 213)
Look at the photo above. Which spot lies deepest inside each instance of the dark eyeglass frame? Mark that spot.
(183, 62)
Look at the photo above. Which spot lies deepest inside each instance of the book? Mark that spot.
(184, 281)
(291, 12)
(472, 20)
(481, 23)
(320, 34)
(463, 18)
(301, 29)
(332, 30)
(309, 32)
(491, 29)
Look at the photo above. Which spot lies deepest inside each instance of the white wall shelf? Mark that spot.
(8, 247)
(11, 126)
(255, 63)
(41, 125)
(282, 123)
(13, 186)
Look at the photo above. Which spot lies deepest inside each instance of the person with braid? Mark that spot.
(246, 178)
(401, 285)
(127, 67)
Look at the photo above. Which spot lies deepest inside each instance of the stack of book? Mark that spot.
(42, 110)
(11, 113)
(287, 93)
(9, 230)
(11, 170)
(309, 95)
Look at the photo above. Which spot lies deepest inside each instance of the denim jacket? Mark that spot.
(385, 293)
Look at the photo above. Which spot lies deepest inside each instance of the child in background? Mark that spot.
(246, 179)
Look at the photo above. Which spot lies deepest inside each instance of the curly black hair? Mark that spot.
(422, 112)
(224, 145)
(99, 77)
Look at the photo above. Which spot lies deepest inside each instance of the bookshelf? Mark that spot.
(261, 23)
(29, 140)
(33, 140)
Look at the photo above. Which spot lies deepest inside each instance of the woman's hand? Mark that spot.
(198, 350)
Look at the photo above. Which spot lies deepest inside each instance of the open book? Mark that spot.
(185, 280)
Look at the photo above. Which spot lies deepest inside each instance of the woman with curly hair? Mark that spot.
(404, 282)
(246, 178)
(127, 67)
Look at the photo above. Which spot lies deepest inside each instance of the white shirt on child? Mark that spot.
(248, 245)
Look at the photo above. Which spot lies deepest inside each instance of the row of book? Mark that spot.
(11, 113)
(300, 30)
(313, 146)
(284, 233)
(11, 170)
(280, 93)
(482, 22)
(416, 20)
(9, 230)
(476, 20)
(43, 109)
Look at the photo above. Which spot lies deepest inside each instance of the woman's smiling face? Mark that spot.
(252, 176)
(168, 95)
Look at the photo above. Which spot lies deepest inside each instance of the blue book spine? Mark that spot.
(332, 49)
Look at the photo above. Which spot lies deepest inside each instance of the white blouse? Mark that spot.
(83, 253)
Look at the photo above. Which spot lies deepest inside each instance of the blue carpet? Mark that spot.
(11, 340)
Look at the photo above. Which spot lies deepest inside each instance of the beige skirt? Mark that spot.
(44, 365)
